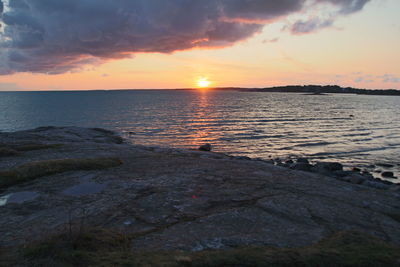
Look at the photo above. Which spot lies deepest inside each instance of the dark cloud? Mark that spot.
(311, 25)
(55, 36)
(315, 23)
(347, 6)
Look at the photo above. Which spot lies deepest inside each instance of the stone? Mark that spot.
(206, 147)
(329, 166)
(301, 166)
(355, 169)
(387, 174)
(302, 160)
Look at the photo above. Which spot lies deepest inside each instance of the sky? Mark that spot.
(162, 44)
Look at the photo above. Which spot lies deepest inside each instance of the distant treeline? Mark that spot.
(318, 89)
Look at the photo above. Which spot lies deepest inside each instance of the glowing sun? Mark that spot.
(203, 83)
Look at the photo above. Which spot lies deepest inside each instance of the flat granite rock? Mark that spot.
(17, 198)
(173, 199)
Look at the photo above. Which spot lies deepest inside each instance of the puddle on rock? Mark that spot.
(84, 189)
(18, 198)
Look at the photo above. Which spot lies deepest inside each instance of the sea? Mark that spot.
(357, 130)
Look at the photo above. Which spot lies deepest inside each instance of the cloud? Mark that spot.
(389, 78)
(56, 36)
(326, 19)
(9, 86)
(274, 40)
(311, 25)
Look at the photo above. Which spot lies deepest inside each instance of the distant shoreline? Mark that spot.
(316, 90)
(304, 89)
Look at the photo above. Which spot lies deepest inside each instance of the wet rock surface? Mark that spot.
(191, 200)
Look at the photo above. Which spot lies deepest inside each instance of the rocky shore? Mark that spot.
(336, 170)
(54, 180)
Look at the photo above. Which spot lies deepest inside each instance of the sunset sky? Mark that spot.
(140, 44)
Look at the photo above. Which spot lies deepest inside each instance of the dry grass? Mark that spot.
(98, 247)
(33, 170)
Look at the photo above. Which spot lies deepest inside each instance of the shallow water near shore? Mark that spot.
(356, 130)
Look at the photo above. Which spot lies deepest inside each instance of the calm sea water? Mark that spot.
(352, 129)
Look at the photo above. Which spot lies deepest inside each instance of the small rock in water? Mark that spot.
(330, 166)
(289, 161)
(355, 169)
(302, 160)
(206, 147)
(387, 174)
(365, 172)
(301, 166)
(385, 165)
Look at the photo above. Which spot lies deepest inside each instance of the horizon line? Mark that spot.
(194, 88)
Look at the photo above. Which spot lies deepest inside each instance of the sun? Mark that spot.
(203, 83)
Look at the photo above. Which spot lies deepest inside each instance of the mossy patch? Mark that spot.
(32, 147)
(33, 170)
(8, 152)
(99, 247)
(14, 150)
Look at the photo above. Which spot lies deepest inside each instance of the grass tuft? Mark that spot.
(33, 170)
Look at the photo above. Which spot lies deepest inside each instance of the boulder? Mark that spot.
(206, 147)
(300, 166)
(289, 161)
(387, 174)
(302, 160)
(329, 166)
